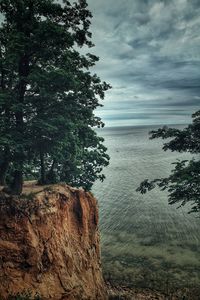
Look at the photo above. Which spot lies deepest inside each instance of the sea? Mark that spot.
(145, 242)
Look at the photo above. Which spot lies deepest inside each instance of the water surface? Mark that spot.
(145, 241)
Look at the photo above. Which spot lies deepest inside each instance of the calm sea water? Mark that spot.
(145, 241)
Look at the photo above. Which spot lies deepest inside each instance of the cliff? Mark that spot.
(49, 243)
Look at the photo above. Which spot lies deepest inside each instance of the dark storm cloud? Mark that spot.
(149, 53)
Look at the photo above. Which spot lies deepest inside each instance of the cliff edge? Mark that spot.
(49, 243)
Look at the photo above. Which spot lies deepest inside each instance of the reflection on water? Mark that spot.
(145, 241)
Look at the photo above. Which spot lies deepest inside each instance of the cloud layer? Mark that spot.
(149, 52)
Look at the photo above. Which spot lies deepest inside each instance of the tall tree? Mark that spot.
(48, 95)
(183, 185)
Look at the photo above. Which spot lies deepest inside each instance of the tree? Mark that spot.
(183, 185)
(48, 95)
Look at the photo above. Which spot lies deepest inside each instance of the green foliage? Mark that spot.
(48, 95)
(183, 184)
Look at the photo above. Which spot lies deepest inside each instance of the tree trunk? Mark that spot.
(3, 171)
(42, 169)
(4, 166)
(17, 184)
(51, 176)
(5, 163)
(19, 156)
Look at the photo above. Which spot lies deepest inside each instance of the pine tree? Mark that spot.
(48, 94)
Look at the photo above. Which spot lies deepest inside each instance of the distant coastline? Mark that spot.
(125, 127)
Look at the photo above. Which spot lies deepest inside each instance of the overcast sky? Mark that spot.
(150, 53)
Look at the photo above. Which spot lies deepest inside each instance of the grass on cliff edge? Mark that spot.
(26, 295)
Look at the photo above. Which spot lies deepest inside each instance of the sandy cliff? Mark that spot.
(49, 243)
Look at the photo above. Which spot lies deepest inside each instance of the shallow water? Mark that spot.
(145, 241)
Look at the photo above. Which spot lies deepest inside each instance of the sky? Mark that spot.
(149, 52)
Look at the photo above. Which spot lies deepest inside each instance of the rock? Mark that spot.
(49, 243)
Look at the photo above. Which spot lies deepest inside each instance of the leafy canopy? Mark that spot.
(183, 185)
(48, 95)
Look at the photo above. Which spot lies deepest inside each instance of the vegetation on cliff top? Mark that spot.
(48, 95)
(26, 295)
(183, 184)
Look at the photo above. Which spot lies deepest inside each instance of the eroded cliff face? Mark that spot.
(49, 243)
